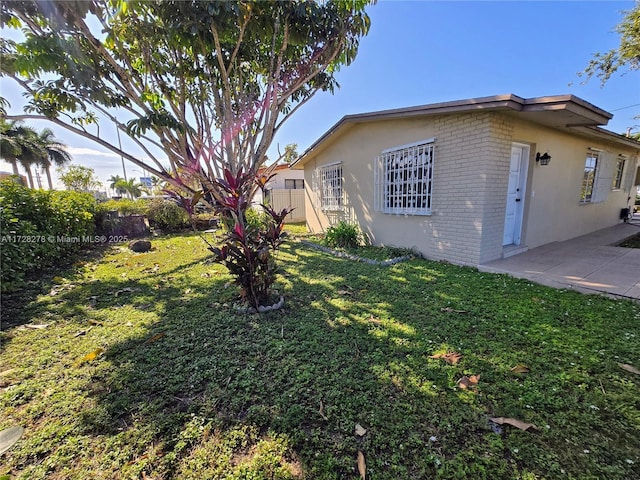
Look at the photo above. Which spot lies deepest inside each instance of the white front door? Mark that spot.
(515, 194)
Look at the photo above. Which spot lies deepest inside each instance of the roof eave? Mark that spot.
(604, 134)
(591, 116)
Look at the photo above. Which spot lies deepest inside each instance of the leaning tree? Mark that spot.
(199, 86)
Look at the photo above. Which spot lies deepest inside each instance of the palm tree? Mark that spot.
(31, 152)
(54, 153)
(130, 186)
(157, 185)
(24, 145)
(115, 184)
(10, 142)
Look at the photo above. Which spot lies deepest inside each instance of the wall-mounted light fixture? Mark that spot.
(543, 159)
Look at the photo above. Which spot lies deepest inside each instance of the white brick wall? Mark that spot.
(472, 161)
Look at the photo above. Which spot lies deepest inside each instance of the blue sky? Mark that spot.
(422, 52)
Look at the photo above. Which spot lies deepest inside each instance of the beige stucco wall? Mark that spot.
(469, 185)
(554, 211)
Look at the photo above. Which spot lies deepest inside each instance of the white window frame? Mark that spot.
(589, 177)
(618, 172)
(330, 184)
(403, 178)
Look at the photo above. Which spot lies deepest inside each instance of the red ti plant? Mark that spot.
(247, 250)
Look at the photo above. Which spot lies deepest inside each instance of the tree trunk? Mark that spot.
(29, 176)
(49, 177)
(14, 164)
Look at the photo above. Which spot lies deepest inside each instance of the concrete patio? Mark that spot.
(589, 264)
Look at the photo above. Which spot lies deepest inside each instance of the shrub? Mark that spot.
(125, 206)
(105, 223)
(343, 235)
(256, 219)
(204, 221)
(167, 215)
(39, 227)
(249, 245)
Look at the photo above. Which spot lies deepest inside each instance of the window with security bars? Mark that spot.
(330, 185)
(403, 178)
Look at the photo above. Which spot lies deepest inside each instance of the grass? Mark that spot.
(297, 228)
(365, 251)
(187, 388)
(631, 242)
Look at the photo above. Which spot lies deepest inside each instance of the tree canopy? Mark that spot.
(79, 178)
(627, 54)
(207, 83)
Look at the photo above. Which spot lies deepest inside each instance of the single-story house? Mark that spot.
(475, 180)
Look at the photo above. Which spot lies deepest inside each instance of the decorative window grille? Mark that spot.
(617, 175)
(589, 177)
(329, 184)
(404, 179)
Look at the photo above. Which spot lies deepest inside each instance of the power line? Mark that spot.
(623, 108)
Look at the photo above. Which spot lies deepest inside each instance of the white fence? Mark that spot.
(285, 198)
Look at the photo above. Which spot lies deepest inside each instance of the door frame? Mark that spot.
(525, 150)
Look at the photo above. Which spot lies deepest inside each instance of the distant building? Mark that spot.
(21, 179)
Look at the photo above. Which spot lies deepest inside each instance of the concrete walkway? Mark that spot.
(589, 264)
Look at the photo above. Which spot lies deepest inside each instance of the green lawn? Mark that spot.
(188, 388)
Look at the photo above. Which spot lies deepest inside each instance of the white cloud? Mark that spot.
(91, 152)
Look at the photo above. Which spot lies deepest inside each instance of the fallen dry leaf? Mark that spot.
(513, 422)
(468, 382)
(37, 326)
(629, 368)
(344, 292)
(90, 357)
(9, 437)
(360, 430)
(362, 465)
(94, 322)
(452, 310)
(520, 369)
(451, 358)
(154, 338)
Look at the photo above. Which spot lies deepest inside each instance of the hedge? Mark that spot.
(39, 227)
